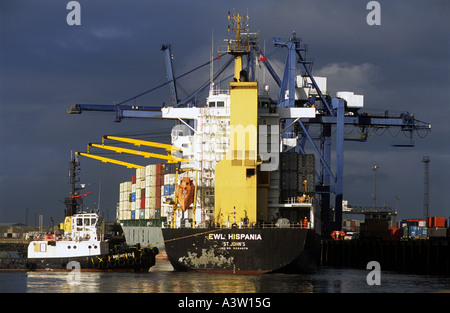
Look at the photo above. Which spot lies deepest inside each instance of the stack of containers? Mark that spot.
(124, 201)
(306, 172)
(149, 192)
(159, 177)
(140, 198)
(168, 187)
(288, 175)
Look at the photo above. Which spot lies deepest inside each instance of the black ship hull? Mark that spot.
(250, 250)
(130, 261)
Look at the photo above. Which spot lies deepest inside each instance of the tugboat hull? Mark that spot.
(253, 250)
(130, 261)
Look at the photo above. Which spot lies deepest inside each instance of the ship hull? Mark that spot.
(135, 261)
(252, 250)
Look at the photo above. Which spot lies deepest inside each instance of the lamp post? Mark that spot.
(374, 193)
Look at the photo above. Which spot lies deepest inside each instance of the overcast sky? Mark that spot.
(47, 65)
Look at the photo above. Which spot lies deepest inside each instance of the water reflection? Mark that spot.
(162, 279)
(63, 282)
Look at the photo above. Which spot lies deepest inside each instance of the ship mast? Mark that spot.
(75, 201)
(240, 44)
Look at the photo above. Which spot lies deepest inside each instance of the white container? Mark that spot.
(150, 181)
(150, 170)
(121, 186)
(150, 203)
(169, 179)
(150, 192)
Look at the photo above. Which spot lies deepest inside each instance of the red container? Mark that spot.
(143, 193)
(159, 169)
(159, 180)
(143, 203)
(436, 221)
(133, 179)
(439, 221)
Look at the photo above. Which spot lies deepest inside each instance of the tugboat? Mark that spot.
(83, 245)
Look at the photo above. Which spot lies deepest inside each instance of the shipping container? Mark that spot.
(142, 214)
(169, 190)
(150, 203)
(159, 180)
(133, 179)
(150, 192)
(437, 232)
(306, 164)
(436, 221)
(132, 197)
(171, 168)
(159, 169)
(422, 232)
(289, 161)
(413, 231)
(133, 215)
(169, 179)
(150, 170)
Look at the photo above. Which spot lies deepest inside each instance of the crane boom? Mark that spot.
(138, 143)
(108, 160)
(170, 158)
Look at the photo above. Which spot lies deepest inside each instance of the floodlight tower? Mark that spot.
(374, 192)
(425, 161)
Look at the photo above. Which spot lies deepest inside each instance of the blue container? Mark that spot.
(423, 232)
(414, 231)
(133, 215)
(169, 190)
(133, 197)
(166, 190)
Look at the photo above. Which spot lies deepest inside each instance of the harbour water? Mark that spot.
(162, 279)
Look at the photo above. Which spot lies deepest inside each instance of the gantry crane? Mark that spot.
(330, 112)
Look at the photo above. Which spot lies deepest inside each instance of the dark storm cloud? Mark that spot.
(115, 54)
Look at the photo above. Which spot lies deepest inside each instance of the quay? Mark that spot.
(425, 257)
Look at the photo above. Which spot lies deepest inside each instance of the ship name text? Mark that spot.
(235, 237)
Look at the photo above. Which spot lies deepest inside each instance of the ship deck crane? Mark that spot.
(171, 150)
(108, 160)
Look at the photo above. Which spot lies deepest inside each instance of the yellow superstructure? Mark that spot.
(236, 174)
(236, 179)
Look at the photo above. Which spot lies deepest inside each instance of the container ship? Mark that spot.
(237, 193)
(231, 202)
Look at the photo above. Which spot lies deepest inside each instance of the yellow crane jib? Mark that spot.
(171, 150)
(144, 154)
(108, 160)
